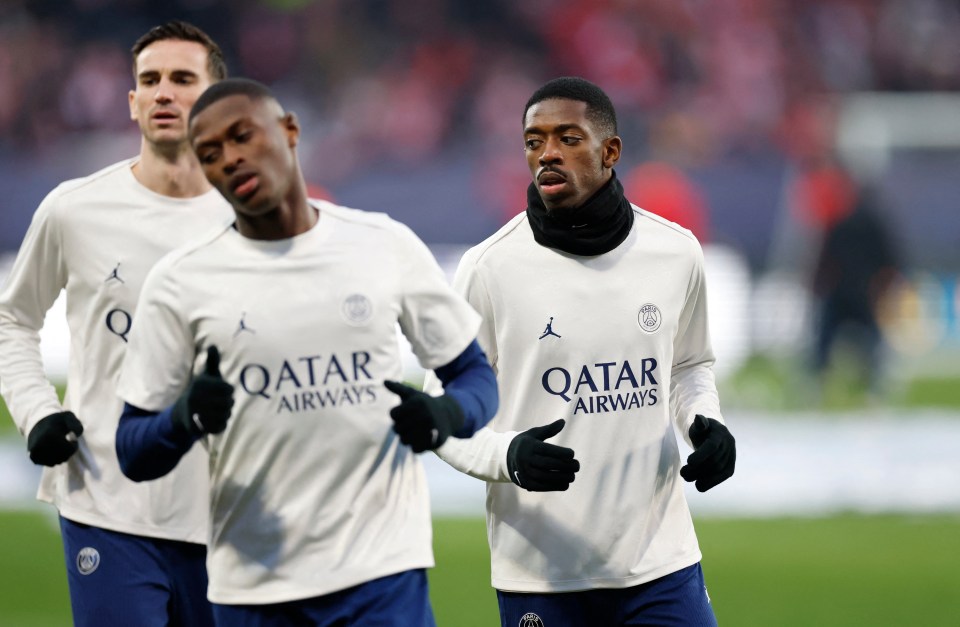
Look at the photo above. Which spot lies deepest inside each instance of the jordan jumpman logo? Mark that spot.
(243, 326)
(115, 275)
(548, 330)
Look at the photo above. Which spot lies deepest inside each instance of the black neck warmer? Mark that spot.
(598, 226)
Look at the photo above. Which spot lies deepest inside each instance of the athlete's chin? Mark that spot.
(250, 202)
(558, 197)
(168, 137)
(254, 206)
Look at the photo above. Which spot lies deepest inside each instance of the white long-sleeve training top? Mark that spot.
(96, 237)
(618, 345)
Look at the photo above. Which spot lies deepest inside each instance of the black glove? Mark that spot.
(205, 406)
(714, 455)
(50, 442)
(424, 422)
(539, 466)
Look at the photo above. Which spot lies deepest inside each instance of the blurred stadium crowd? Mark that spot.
(728, 108)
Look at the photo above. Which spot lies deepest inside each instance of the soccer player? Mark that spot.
(320, 512)
(134, 553)
(594, 313)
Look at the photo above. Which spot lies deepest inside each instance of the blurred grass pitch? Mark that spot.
(791, 572)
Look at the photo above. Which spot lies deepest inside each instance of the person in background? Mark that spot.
(134, 553)
(857, 264)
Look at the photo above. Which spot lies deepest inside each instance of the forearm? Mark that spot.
(693, 387)
(483, 456)
(149, 445)
(694, 391)
(28, 393)
(36, 279)
(470, 381)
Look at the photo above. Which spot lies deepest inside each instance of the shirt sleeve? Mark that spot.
(693, 388)
(159, 360)
(436, 320)
(467, 282)
(484, 456)
(470, 381)
(38, 276)
(148, 444)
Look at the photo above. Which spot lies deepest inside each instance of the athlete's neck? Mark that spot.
(281, 223)
(174, 172)
(293, 216)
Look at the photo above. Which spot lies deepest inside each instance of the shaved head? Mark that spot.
(600, 110)
(252, 89)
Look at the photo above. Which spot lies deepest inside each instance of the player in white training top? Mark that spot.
(96, 237)
(320, 512)
(595, 320)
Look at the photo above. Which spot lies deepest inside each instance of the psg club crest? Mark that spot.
(87, 560)
(649, 318)
(357, 309)
(531, 620)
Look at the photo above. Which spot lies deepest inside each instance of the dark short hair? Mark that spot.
(600, 110)
(230, 87)
(183, 31)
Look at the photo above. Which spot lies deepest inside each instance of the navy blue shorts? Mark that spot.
(121, 579)
(676, 600)
(400, 600)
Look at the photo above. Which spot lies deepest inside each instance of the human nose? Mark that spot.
(231, 159)
(164, 93)
(551, 152)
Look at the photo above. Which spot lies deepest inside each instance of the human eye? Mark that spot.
(206, 157)
(570, 140)
(185, 77)
(532, 143)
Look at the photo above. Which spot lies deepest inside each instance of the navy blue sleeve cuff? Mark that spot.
(149, 444)
(471, 382)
